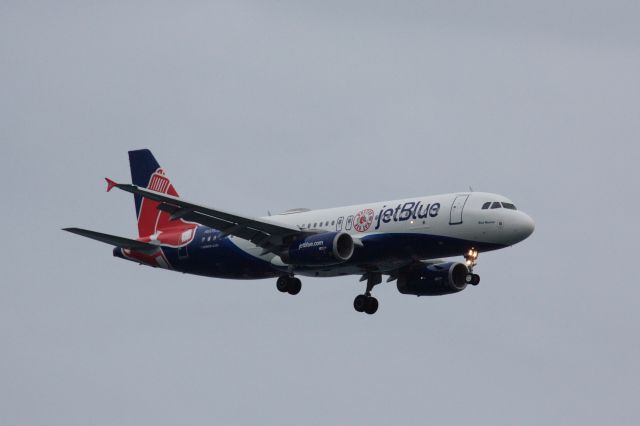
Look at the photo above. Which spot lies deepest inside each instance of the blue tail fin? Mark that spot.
(147, 173)
(143, 165)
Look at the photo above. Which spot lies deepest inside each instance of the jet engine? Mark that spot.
(434, 280)
(330, 248)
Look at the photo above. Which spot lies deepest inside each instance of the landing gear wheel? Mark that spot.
(294, 286)
(286, 284)
(360, 302)
(282, 284)
(371, 306)
(475, 280)
(366, 302)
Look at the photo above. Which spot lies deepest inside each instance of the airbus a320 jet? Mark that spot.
(403, 240)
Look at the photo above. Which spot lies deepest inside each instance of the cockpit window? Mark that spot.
(498, 205)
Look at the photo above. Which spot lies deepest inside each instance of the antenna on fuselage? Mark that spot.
(470, 188)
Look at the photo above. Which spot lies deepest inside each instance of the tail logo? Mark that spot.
(159, 182)
(156, 226)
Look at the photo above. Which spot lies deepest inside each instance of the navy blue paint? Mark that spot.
(223, 259)
(142, 164)
(429, 280)
(314, 250)
(409, 245)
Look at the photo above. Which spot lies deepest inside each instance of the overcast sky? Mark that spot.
(256, 106)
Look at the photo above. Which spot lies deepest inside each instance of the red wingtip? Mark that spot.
(110, 184)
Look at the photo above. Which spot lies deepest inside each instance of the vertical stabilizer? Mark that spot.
(147, 173)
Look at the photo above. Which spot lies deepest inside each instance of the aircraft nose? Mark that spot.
(524, 226)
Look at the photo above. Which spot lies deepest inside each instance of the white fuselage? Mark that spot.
(445, 218)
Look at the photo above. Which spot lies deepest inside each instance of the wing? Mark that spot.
(269, 235)
(114, 240)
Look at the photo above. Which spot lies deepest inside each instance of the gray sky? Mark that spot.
(256, 106)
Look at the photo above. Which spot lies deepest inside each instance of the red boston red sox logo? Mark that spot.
(363, 220)
(156, 227)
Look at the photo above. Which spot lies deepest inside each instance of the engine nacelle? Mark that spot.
(329, 248)
(434, 280)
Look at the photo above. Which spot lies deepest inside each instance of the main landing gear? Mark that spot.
(366, 302)
(471, 259)
(289, 284)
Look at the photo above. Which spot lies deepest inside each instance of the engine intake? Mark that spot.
(328, 248)
(434, 280)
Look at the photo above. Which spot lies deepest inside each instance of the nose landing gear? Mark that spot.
(473, 279)
(366, 302)
(471, 260)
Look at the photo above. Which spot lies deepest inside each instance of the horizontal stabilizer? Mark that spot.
(122, 242)
(110, 184)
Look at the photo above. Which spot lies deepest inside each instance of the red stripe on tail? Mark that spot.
(156, 223)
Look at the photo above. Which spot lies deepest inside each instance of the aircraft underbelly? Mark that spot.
(238, 259)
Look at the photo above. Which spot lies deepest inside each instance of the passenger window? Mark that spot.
(327, 223)
(495, 205)
(309, 226)
(333, 222)
(486, 205)
(509, 206)
(315, 225)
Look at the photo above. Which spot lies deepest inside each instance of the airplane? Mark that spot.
(405, 240)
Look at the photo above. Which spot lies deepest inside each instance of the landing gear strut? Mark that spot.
(471, 260)
(288, 284)
(366, 302)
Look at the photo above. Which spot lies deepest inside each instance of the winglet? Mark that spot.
(110, 184)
